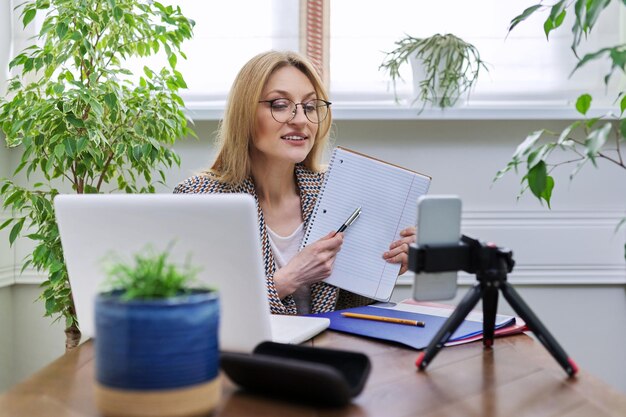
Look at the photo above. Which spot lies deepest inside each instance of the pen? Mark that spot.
(385, 319)
(350, 220)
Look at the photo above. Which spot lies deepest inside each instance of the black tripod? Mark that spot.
(491, 265)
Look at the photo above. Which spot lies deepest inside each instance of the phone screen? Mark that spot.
(438, 223)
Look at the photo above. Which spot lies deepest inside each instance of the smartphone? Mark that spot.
(438, 223)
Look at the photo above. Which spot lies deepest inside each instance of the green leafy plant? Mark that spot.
(152, 276)
(451, 67)
(588, 140)
(84, 123)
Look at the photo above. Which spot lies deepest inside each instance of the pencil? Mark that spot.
(385, 319)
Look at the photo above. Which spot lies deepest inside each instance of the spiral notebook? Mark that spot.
(387, 195)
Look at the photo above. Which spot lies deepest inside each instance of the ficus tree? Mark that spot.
(589, 140)
(83, 122)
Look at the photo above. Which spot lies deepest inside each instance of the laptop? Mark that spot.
(218, 232)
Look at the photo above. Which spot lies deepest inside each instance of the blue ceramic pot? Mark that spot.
(166, 345)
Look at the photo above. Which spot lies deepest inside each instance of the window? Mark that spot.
(226, 35)
(524, 68)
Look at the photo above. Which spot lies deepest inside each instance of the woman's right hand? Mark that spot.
(312, 264)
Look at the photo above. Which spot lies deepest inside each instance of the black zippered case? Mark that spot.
(320, 376)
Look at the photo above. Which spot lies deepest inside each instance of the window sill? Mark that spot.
(214, 110)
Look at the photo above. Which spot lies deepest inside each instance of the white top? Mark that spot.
(284, 248)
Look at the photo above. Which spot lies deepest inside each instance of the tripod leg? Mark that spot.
(454, 321)
(490, 307)
(535, 325)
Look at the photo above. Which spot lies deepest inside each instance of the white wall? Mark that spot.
(6, 338)
(37, 340)
(570, 264)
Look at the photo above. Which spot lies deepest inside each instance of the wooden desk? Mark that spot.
(516, 378)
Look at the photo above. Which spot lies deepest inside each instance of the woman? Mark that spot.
(274, 131)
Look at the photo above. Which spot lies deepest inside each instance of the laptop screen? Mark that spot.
(218, 232)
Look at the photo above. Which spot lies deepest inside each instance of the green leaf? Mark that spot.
(43, 4)
(557, 10)
(618, 57)
(622, 127)
(525, 14)
(120, 148)
(70, 147)
(592, 121)
(81, 144)
(59, 151)
(6, 223)
(75, 121)
(130, 20)
(583, 103)
(548, 25)
(56, 266)
(15, 230)
(539, 154)
(118, 13)
(528, 143)
(97, 108)
(589, 57)
(25, 265)
(137, 153)
(15, 196)
(58, 88)
(596, 140)
(547, 191)
(56, 275)
(559, 19)
(90, 189)
(29, 15)
(594, 8)
(149, 73)
(172, 60)
(61, 30)
(51, 306)
(110, 100)
(538, 179)
(622, 103)
(565, 133)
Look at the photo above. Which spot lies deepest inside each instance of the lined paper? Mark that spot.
(387, 195)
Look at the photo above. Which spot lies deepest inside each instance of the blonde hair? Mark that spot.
(234, 137)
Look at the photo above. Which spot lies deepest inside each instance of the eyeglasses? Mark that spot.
(284, 110)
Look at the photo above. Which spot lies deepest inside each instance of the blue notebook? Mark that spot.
(412, 336)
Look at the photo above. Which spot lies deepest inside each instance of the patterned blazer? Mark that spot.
(324, 297)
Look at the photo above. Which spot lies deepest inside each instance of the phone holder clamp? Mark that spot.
(490, 264)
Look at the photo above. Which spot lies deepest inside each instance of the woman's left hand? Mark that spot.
(399, 250)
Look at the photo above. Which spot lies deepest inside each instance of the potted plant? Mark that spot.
(156, 341)
(81, 121)
(588, 140)
(444, 67)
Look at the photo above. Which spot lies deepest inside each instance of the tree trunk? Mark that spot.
(72, 337)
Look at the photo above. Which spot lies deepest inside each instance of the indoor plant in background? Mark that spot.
(588, 140)
(85, 122)
(156, 344)
(445, 67)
